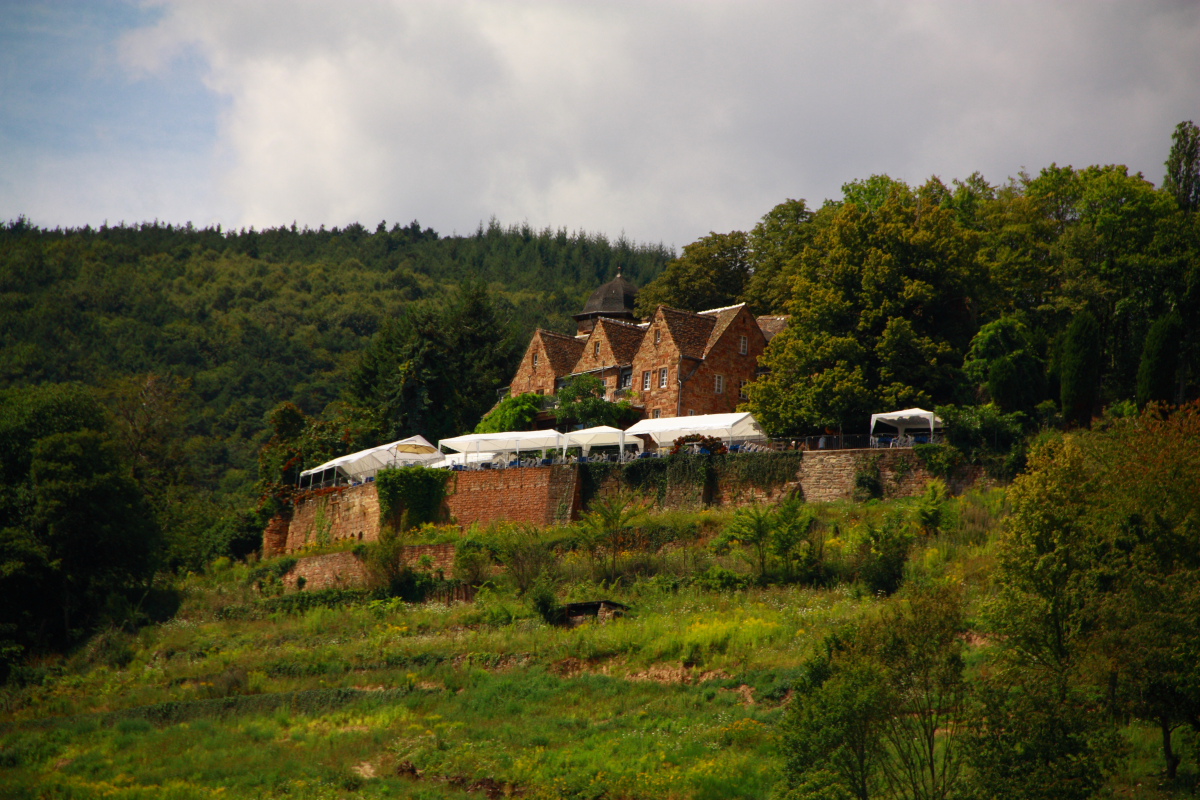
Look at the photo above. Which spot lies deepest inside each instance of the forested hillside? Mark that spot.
(191, 336)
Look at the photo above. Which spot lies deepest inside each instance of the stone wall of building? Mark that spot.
(700, 394)
(537, 495)
(333, 515)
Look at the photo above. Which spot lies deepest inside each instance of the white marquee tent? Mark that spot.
(504, 442)
(365, 463)
(739, 426)
(598, 436)
(902, 421)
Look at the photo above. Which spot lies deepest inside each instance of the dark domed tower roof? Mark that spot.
(614, 299)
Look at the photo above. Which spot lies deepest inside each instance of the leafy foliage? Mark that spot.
(513, 413)
(411, 496)
(711, 273)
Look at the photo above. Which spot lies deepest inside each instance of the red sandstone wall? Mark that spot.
(537, 495)
(345, 571)
(699, 391)
(345, 513)
(331, 571)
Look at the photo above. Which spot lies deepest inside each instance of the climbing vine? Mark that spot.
(411, 496)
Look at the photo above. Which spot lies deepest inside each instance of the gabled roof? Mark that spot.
(623, 337)
(771, 325)
(563, 351)
(724, 317)
(689, 330)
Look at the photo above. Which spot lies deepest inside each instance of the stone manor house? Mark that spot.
(677, 363)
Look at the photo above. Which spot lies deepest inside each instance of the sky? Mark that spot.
(661, 121)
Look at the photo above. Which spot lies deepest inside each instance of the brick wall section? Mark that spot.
(345, 571)
(828, 476)
(347, 513)
(330, 571)
(537, 495)
(276, 533)
(441, 557)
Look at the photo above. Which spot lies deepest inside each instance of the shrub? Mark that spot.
(881, 555)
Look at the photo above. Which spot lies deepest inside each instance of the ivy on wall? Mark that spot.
(695, 474)
(411, 496)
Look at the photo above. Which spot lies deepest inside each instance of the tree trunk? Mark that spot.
(1168, 752)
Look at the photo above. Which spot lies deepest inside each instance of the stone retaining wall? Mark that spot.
(345, 570)
(829, 475)
(537, 495)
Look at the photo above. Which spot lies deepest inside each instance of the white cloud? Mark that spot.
(666, 120)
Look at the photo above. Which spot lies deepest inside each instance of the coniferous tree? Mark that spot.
(1160, 360)
(1183, 166)
(1079, 372)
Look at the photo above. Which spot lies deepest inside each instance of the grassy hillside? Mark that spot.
(239, 695)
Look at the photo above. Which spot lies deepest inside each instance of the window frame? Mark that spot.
(743, 345)
(646, 381)
(718, 384)
(662, 378)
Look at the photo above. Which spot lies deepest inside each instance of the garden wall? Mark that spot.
(830, 475)
(537, 495)
(326, 517)
(549, 495)
(345, 570)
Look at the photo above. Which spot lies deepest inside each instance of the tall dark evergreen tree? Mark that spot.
(1183, 166)
(1079, 369)
(1160, 361)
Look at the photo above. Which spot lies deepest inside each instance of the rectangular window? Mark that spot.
(720, 385)
(657, 413)
(535, 360)
(742, 388)
(743, 345)
(627, 379)
(596, 349)
(657, 335)
(646, 381)
(662, 378)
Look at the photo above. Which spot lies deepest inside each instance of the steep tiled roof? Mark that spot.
(689, 330)
(723, 316)
(562, 350)
(772, 325)
(624, 338)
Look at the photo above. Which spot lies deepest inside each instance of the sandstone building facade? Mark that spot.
(677, 363)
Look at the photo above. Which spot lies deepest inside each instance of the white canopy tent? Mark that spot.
(739, 426)
(461, 459)
(365, 463)
(600, 435)
(504, 442)
(908, 418)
